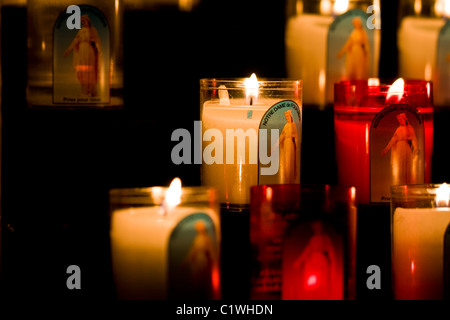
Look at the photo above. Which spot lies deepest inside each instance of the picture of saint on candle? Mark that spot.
(238, 147)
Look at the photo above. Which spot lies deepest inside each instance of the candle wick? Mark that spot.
(163, 208)
(251, 101)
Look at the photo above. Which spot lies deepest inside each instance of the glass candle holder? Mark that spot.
(383, 134)
(319, 248)
(329, 41)
(165, 251)
(75, 54)
(420, 225)
(423, 41)
(303, 242)
(255, 129)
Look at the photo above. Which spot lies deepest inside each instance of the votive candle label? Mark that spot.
(284, 116)
(397, 153)
(81, 58)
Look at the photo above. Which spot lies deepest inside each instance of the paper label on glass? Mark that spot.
(193, 259)
(313, 263)
(442, 77)
(285, 117)
(81, 59)
(396, 150)
(350, 49)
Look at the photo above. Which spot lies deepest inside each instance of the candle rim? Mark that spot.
(155, 195)
(240, 83)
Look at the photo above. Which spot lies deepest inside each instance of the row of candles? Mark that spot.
(303, 239)
(166, 243)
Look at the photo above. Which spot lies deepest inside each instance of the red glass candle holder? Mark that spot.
(303, 242)
(383, 135)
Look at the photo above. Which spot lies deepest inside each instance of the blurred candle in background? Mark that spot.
(329, 41)
(424, 44)
(75, 66)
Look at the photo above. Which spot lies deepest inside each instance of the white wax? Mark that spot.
(233, 181)
(139, 249)
(417, 43)
(306, 54)
(418, 250)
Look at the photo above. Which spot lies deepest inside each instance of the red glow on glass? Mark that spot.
(413, 267)
(311, 281)
(215, 279)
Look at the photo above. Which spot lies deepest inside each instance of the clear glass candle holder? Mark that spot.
(255, 129)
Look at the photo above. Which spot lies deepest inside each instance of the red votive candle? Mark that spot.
(303, 242)
(319, 248)
(384, 135)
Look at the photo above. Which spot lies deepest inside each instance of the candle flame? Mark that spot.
(396, 90)
(442, 8)
(269, 194)
(373, 82)
(251, 88)
(443, 195)
(340, 6)
(325, 7)
(417, 6)
(353, 193)
(173, 195)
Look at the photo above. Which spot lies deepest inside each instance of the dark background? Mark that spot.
(58, 165)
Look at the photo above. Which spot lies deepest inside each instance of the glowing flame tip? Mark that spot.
(173, 195)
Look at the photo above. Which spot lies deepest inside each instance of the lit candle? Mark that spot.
(369, 122)
(314, 41)
(233, 112)
(422, 46)
(420, 229)
(165, 243)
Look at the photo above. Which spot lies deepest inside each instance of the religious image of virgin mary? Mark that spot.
(289, 150)
(87, 50)
(404, 151)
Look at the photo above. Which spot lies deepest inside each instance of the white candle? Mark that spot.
(234, 150)
(417, 43)
(233, 181)
(307, 49)
(418, 250)
(306, 54)
(142, 240)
